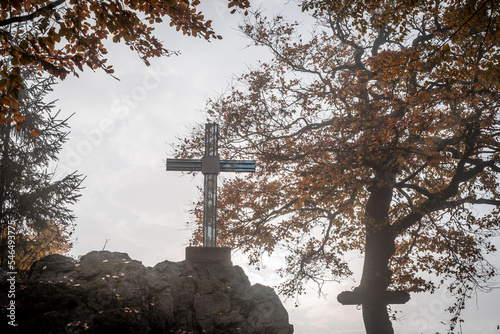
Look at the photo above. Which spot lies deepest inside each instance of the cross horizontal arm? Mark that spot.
(357, 297)
(184, 165)
(195, 165)
(238, 166)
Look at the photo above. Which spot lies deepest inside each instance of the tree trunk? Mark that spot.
(377, 319)
(376, 276)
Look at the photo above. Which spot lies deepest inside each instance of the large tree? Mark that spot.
(377, 133)
(60, 37)
(35, 217)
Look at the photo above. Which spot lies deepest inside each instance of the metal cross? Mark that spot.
(210, 165)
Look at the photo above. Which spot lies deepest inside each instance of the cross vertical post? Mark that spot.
(210, 165)
(210, 168)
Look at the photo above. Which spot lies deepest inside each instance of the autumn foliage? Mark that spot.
(378, 133)
(62, 37)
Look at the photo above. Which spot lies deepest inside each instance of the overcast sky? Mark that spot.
(120, 137)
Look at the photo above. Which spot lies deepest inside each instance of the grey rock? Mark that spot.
(108, 292)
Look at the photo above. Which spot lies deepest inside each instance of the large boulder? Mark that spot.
(108, 292)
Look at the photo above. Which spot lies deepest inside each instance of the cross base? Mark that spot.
(208, 254)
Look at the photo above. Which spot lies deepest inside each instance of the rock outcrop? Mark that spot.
(107, 292)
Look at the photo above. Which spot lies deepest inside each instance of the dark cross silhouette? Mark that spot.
(210, 165)
(360, 297)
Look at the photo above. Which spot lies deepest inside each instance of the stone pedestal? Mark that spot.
(208, 254)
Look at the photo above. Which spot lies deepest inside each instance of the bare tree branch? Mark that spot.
(35, 14)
